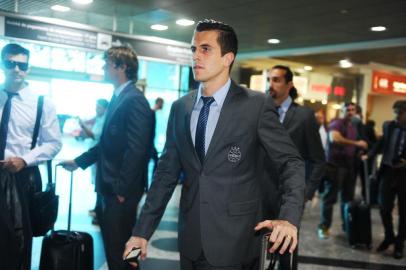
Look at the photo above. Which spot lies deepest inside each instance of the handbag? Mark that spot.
(43, 204)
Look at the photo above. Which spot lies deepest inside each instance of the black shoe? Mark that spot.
(385, 244)
(398, 252)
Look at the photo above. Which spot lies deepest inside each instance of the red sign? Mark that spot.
(323, 88)
(389, 84)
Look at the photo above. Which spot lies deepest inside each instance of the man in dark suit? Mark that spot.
(393, 175)
(121, 155)
(301, 125)
(214, 136)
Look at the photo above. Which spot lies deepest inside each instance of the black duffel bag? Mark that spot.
(44, 207)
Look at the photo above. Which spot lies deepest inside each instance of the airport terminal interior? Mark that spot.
(339, 52)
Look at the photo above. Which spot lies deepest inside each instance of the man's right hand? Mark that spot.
(136, 242)
(69, 165)
(362, 144)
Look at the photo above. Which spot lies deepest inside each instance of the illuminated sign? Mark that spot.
(386, 83)
(337, 90)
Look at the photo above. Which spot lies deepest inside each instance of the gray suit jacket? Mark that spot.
(302, 127)
(221, 199)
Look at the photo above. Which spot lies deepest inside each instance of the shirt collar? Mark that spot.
(219, 96)
(23, 93)
(286, 104)
(120, 89)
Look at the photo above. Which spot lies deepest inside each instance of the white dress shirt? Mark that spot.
(214, 114)
(21, 127)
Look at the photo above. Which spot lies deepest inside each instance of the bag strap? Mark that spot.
(40, 107)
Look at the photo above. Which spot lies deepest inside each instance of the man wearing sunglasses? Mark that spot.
(19, 156)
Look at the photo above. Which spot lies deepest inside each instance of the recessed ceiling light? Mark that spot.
(60, 8)
(273, 41)
(159, 27)
(308, 68)
(185, 22)
(378, 28)
(345, 63)
(83, 2)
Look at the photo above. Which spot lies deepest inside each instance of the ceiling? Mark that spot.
(313, 32)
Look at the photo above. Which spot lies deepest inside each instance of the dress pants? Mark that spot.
(202, 264)
(116, 222)
(340, 180)
(393, 183)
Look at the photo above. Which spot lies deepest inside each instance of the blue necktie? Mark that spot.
(4, 123)
(201, 128)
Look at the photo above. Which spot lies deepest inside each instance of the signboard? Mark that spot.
(385, 83)
(40, 31)
(47, 32)
(146, 48)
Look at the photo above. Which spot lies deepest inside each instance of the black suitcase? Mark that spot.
(357, 219)
(66, 249)
(271, 261)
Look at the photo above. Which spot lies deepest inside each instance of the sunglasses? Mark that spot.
(10, 64)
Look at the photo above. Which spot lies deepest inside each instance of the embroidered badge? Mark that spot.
(234, 155)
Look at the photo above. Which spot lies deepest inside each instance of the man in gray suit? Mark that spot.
(214, 136)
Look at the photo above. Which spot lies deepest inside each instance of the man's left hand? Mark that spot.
(14, 164)
(283, 235)
(120, 199)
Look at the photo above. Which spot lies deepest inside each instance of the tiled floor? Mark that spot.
(315, 254)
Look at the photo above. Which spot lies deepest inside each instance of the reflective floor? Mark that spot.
(333, 253)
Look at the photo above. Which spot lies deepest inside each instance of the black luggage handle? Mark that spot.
(70, 195)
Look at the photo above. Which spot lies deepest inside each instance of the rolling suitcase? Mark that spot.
(271, 261)
(66, 249)
(357, 218)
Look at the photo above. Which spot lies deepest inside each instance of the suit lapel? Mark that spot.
(116, 104)
(289, 114)
(190, 102)
(225, 116)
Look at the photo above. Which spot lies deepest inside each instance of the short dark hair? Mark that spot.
(227, 38)
(399, 106)
(14, 49)
(347, 104)
(159, 100)
(288, 78)
(122, 55)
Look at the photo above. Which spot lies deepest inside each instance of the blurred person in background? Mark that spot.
(340, 178)
(159, 103)
(93, 133)
(18, 161)
(392, 173)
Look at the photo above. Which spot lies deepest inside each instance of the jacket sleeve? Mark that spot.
(88, 158)
(138, 131)
(163, 185)
(287, 160)
(315, 162)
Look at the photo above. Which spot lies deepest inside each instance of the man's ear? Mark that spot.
(228, 59)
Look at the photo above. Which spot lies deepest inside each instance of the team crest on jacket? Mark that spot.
(234, 155)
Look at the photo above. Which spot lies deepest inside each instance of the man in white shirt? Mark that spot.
(18, 107)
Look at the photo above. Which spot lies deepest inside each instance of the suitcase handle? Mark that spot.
(70, 195)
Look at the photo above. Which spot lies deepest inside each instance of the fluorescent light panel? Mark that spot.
(60, 8)
(273, 41)
(378, 28)
(83, 2)
(185, 22)
(159, 27)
